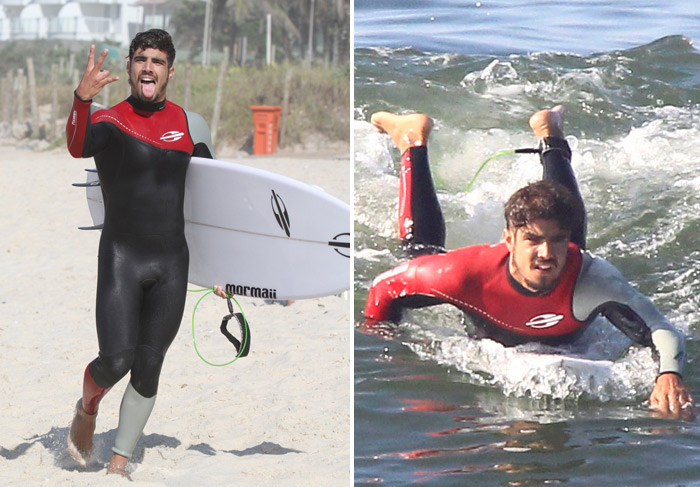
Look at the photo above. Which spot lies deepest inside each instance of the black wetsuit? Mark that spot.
(141, 152)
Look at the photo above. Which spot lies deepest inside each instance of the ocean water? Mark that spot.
(434, 407)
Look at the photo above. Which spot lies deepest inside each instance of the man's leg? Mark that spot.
(82, 428)
(161, 313)
(117, 324)
(134, 412)
(421, 224)
(547, 126)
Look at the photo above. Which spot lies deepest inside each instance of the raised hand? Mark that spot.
(94, 78)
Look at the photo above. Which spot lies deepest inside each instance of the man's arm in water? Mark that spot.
(602, 289)
(404, 286)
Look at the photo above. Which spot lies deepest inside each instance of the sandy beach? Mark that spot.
(280, 416)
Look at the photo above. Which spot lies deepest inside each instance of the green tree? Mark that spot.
(291, 22)
(187, 26)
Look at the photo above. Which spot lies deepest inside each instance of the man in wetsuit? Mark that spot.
(142, 148)
(539, 284)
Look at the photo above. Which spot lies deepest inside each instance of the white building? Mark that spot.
(83, 20)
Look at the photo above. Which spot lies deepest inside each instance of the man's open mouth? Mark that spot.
(544, 267)
(148, 86)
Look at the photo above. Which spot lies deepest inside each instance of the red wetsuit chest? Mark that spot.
(164, 129)
(476, 280)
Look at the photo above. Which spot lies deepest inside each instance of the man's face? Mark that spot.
(537, 254)
(149, 74)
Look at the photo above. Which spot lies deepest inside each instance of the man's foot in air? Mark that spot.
(410, 130)
(548, 123)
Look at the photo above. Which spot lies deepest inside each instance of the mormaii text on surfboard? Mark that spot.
(251, 291)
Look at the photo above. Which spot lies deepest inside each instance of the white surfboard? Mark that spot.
(580, 365)
(258, 233)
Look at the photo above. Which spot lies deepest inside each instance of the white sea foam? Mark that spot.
(537, 371)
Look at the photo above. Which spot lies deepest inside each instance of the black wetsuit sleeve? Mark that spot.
(556, 162)
(428, 224)
(666, 343)
(628, 322)
(411, 302)
(202, 150)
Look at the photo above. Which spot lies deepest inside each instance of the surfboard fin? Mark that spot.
(243, 348)
(95, 227)
(87, 185)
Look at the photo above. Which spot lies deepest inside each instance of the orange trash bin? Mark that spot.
(266, 123)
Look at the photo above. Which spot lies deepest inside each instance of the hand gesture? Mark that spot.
(94, 78)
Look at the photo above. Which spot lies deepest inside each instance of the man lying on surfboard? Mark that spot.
(539, 284)
(142, 148)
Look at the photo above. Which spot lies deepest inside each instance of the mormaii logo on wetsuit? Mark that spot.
(253, 292)
(172, 136)
(546, 320)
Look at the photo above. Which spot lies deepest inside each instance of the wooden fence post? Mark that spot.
(7, 87)
(105, 96)
(33, 103)
(285, 107)
(54, 103)
(71, 64)
(188, 87)
(244, 49)
(219, 93)
(20, 95)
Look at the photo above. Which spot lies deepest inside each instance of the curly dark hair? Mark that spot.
(545, 200)
(155, 39)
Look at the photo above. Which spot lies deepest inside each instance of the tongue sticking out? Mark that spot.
(148, 89)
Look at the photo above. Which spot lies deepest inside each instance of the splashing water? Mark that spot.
(634, 136)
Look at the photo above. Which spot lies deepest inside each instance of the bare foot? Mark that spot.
(82, 430)
(117, 465)
(548, 123)
(410, 130)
